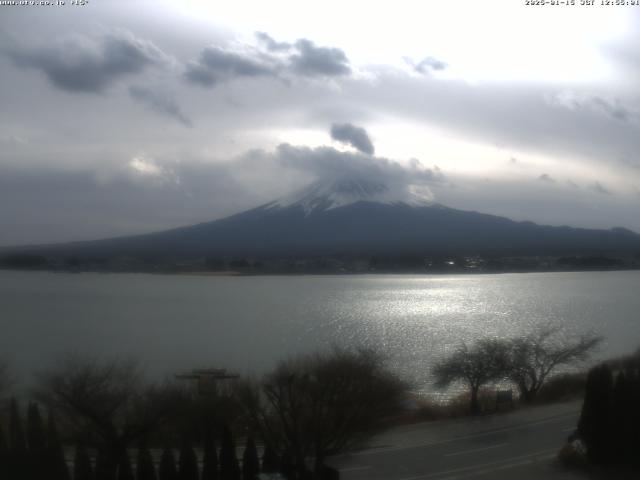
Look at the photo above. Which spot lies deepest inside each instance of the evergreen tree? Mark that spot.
(56, 463)
(37, 442)
(229, 468)
(36, 437)
(250, 462)
(145, 469)
(270, 461)
(4, 455)
(18, 460)
(635, 413)
(622, 426)
(125, 472)
(286, 466)
(16, 432)
(168, 466)
(82, 469)
(594, 426)
(104, 469)
(210, 459)
(188, 462)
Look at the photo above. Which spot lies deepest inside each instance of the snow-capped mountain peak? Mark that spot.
(327, 195)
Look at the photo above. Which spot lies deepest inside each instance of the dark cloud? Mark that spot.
(357, 137)
(272, 45)
(612, 107)
(216, 65)
(160, 103)
(599, 188)
(545, 177)
(82, 64)
(429, 64)
(319, 61)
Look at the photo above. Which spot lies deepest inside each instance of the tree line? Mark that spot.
(527, 362)
(36, 452)
(307, 409)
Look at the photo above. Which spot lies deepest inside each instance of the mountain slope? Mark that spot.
(359, 217)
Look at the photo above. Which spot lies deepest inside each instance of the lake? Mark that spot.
(176, 322)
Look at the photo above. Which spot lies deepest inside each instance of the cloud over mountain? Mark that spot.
(329, 164)
(357, 137)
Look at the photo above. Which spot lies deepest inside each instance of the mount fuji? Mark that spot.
(358, 217)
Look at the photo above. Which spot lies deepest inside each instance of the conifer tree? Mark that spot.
(286, 466)
(210, 459)
(594, 426)
(18, 460)
(270, 461)
(56, 462)
(622, 420)
(37, 442)
(188, 462)
(36, 436)
(250, 462)
(4, 455)
(16, 432)
(103, 470)
(229, 468)
(82, 469)
(145, 469)
(635, 414)
(168, 466)
(125, 472)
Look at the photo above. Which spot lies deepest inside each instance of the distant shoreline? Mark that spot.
(239, 273)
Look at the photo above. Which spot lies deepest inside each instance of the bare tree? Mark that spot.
(108, 402)
(322, 404)
(534, 357)
(484, 362)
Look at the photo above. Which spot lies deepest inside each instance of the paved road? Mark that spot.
(521, 444)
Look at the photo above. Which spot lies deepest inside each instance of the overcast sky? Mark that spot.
(122, 117)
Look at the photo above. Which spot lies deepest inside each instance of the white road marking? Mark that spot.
(474, 450)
